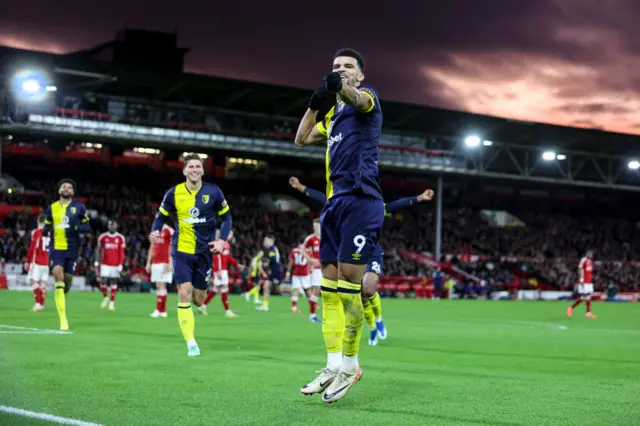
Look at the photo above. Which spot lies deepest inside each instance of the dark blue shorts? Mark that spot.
(375, 265)
(275, 279)
(64, 258)
(350, 227)
(192, 268)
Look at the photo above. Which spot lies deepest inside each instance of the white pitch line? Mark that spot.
(44, 416)
(15, 329)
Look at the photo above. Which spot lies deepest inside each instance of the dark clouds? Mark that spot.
(560, 61)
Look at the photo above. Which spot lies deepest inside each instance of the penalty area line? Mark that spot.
(45, 416)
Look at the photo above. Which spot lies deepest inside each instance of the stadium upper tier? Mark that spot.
(150, 101)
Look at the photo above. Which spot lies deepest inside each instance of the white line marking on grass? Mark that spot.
(15, 329)
(44, 416)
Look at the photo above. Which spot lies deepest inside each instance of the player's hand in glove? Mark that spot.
(333, 82)
(318, 99)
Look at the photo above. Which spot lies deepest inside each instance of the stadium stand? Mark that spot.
(121, 131)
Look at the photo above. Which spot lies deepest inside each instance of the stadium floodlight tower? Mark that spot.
(31, 85)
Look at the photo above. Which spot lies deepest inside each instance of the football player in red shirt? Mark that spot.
(220, 279)
(298, 272)
(109, 261)
(585, 287)
(37, 265)
(160, 267)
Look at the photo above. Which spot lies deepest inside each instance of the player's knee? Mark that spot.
(351, 272)
(58, 273)
(369, 284)
(330, 271)
(185, 292)
(199, 296)
(224, 289)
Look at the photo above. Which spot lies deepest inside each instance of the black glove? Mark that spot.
(318, 98)
(333, 82)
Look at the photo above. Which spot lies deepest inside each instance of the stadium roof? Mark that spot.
(224, 93)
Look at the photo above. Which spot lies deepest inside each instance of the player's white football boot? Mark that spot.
(230, 314)
(262, 308)
(104, 303)
(341, 385)
(320, 383)
(157, 314)
(112, 306)
(193, 349)
(203, 310)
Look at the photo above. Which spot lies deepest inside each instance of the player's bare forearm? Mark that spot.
(355, 98)
(307, 133)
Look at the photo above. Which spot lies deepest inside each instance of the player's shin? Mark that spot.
(368, 313)
(61, 305)
(376, 306)
(332, 323)
(187, 321)
(349, 294)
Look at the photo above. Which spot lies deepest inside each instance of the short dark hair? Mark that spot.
(316, 220)
(270, 236)
(352, 54)
(192, 157)
(42, 218)
(67, 180)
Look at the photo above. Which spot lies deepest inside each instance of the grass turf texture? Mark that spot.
(445, 362)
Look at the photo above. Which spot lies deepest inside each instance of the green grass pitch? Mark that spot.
(445, 362)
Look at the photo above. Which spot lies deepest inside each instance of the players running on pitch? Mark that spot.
(352, 217)
(160, 267)
(370, 297)
(37, 265)
(220, 279)
(298, 273)
(197, 208)
(109, 261)
(65, 220)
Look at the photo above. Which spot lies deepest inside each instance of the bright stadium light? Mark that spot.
(472, 141)
(634, 164)
(561, 157)
(548, 156)
(31, 85)
(487, 143)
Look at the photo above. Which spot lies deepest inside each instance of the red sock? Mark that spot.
(104, 290)
(43, 294)
(294, 302)
(312, 305)
(588, 302)
(225, 300)
(576, 303)
(210, 296)
(114, 290)
(37, 294)
(162, 304)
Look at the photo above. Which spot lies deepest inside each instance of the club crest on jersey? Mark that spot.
(205, 198)
(73, 210)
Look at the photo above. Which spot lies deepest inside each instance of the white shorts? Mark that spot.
(585, 289)
(300, 282)
(159, 274)
(316, 277)
(38, 272)
(220, 278)
(107, 271)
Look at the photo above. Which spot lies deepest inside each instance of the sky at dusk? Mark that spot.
(570, 62)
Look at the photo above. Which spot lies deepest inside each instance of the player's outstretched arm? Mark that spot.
(408, 201)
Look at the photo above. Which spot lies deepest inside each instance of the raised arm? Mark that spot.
(308, 132)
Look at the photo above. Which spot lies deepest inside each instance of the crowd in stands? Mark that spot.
(546, 250)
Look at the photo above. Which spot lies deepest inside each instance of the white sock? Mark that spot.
(334, 360)
(191, 343)
(379, 319)
(350, 363)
